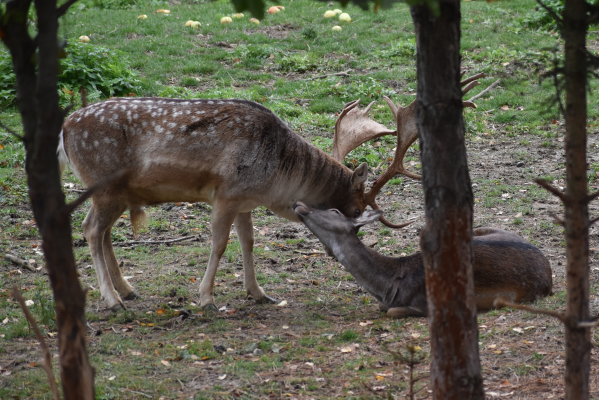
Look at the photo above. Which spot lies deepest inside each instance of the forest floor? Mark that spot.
(326, 337)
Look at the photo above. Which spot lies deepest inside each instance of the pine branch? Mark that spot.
(553, 14)
(62, 10)
(557, 220)
(47, 358)
(500, 302)
(552, 189)
(69, 208)
(15, 134)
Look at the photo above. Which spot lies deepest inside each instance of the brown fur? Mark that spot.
(233, 154)
(504, 264)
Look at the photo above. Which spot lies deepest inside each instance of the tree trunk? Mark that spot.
(447, 236)
(37, 99)
(578, 344)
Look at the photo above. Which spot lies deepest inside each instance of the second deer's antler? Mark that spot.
(354, 127)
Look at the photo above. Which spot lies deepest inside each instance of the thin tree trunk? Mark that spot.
(37, 99)
(578, 344)
(446, 238)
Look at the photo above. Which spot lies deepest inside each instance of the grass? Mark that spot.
(273, 63)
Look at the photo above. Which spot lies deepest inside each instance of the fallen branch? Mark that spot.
(19, 261)
(142, 242)
(487, 90)
(344, 73)
(500, 302)
(310, 253)
(47, 358)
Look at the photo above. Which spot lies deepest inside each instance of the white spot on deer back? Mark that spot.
(96, 144)
(159, 129)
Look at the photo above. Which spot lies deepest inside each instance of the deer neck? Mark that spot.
(316, 179)
(376, 273)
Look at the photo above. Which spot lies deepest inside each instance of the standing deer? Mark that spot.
(235, 155)
(504, 264)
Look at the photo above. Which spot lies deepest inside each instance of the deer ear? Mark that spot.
(360, 175)
(367, 217)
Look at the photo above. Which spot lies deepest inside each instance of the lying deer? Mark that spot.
(504, 264)
(235, 155)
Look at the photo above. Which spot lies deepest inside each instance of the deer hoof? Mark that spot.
(117, 307)
(210, 307)
(266, 299)
(132, 296)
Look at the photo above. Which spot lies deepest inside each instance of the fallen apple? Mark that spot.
(84, 39)
(237, 16)
(143, 16)
(273, 10)
(226, 20)
(337, 11)
(188, 23)
(196, 25)
(336, 28)
(345, 17)
(254, 21)
(281, 8)
(329, 14)
(163, 11)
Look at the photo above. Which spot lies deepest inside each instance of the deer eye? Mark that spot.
(357, 213)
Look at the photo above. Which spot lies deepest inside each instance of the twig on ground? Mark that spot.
(310, 253)
(19, 261)
(500, 302)
(344, 73)
(76, 190)
(47, 358)
(487, 90)
(141, 242)
(552, 189)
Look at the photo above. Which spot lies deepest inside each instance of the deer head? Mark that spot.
(354, 127)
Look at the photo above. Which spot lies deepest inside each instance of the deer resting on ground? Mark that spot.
(235, 155)
(504, 264)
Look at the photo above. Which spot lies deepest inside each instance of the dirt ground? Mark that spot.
(329, 340)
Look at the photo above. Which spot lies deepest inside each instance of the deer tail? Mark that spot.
(63, 158)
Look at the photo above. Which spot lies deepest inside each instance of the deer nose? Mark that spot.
(301, 209)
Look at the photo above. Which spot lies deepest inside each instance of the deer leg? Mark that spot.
(404, 312)
(222, 219)
(94, 227)
(122, 286)
(245, 231)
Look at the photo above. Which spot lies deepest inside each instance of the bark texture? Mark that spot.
(578, 343)
(37, 100)
(447, 238)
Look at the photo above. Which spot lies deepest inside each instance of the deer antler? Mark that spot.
(353, 128)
